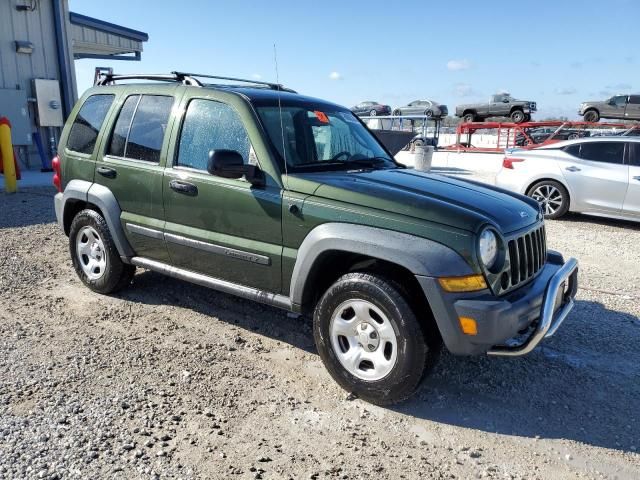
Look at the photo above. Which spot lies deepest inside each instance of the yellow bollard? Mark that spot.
(6, 149)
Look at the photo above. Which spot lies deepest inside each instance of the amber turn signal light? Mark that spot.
(470, 283)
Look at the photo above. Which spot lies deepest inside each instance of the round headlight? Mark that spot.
(488, 247)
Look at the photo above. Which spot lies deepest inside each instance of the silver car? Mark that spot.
(598, 176)
(428, 108)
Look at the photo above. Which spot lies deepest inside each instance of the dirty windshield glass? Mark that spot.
(317, 139)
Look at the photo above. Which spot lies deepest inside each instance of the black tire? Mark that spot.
(373, 113)
(428, 113)
(468, 118)
(397, 113)
(417, 352)
(591, 115)
(547, 185)
(116, 274)
(518, 116)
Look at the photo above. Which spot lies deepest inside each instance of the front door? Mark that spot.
(130, 168)
(616, 107)
(224, 228)
(632, 200)
(597, 176)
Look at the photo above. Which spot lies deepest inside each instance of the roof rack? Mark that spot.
(272, 86)
(110, 78)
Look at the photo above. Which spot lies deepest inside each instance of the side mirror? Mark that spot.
(505, 100)
(229, 164)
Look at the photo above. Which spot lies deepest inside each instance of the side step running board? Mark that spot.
(243, 291)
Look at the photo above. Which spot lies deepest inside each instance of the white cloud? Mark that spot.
(256, 76)
(565, 91)
(455, 65)
(464, 90)
(335, 76)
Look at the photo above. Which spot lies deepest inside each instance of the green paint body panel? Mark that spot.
(257, 220)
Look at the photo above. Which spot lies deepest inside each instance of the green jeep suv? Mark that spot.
(288, 200)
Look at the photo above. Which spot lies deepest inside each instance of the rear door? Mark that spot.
(632, 200)
(597, 175)
(131, 167)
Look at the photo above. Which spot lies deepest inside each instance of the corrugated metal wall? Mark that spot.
(16, 69)
(90, 40)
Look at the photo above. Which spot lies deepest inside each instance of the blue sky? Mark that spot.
(558, 53)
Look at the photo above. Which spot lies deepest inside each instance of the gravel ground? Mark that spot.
(171, 380)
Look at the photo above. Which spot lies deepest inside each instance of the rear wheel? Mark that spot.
(591, 116)
(397, 113)
(428, 113)
(94, 255)
(553, 197)
(373, 113)
(370, 339)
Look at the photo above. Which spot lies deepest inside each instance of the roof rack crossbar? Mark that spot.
(273, 86)
(110, 78)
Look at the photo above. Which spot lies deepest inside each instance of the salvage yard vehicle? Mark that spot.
(371, 109)
(288, 200)
(625, 107)
(597, 176)
(428, 108)
(500, 105)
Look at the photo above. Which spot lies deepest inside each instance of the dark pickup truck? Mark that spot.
(501, 105)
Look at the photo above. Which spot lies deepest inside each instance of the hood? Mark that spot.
(437, 198)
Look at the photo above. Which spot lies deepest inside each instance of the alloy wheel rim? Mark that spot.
(549, 197)
(363, 339)
(91, 253)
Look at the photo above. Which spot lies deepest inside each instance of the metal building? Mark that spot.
(39, 40)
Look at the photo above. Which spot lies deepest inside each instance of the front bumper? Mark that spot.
(510, 325)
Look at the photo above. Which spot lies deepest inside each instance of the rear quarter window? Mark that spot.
(88, 122)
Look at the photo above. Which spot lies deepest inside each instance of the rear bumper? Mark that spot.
(513, 324)
(58, 202)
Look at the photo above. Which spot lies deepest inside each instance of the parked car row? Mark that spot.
(427, 108)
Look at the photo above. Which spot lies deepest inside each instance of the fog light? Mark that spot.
(469, 283)
(468, 325)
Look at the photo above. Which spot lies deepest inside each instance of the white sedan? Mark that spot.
(598, 176)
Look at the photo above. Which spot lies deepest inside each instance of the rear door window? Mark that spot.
(88, 122)
(573, 150)
(606, 152)
(140, 128)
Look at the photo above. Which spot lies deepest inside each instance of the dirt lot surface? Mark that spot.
(171, 380)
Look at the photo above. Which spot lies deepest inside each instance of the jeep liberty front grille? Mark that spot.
(527, 255)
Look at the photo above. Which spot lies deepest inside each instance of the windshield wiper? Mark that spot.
(371, 162)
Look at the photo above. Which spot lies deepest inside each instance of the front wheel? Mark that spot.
(468, 118)
(94, 255)
(591, 116)
(373, 113)
(518, 116)
(553, 197)
(370, 339)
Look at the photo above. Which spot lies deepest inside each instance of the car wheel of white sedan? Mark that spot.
(553, 197)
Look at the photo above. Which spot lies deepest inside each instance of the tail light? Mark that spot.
(57, 174)
(508, 162)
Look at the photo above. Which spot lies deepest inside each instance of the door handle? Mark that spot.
(183, 187)
(637, 177)
(107, 172)
(572, 169)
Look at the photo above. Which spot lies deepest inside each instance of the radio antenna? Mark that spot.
(284, 149)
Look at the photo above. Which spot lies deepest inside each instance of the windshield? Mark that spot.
(318, 139)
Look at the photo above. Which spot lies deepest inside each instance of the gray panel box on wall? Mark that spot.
(13, 105)
(48, 102)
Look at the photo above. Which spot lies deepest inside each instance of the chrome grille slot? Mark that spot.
(527, 255)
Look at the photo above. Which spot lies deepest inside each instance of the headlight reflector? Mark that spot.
(488, 248)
